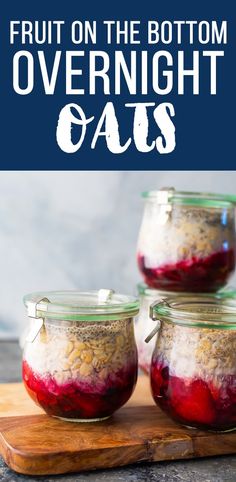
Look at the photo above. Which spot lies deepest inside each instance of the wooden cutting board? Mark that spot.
(35, 444)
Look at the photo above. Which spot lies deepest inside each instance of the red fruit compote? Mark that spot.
(193, 370)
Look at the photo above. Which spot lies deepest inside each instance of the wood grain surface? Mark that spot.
(35, 444)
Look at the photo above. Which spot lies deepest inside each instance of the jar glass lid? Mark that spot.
(171, 196)
(207, 312)
(97, 305)
(145, 290)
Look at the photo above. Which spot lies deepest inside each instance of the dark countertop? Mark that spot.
(215, 469)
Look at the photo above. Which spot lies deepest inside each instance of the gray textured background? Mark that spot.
(68, 230)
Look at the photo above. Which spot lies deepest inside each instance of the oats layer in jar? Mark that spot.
(83, 369)
(144, 324)
(187, 248)
(193, 375)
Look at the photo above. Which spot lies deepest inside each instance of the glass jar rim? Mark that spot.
(201, 199)
(94, 305)
(197, 311)
(145, 290)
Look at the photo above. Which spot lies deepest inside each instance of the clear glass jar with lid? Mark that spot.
(193, 371)
(80, 355)
(187, 240)
(144, 324)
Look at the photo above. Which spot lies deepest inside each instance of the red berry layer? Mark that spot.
(192, 275)
(195, 402)
(80, 399)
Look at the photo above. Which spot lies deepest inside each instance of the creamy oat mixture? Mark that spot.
(209, 354)
(173, 233)
(85, 350)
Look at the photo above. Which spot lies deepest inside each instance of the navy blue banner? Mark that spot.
(121, 86)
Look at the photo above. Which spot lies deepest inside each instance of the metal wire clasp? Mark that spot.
(157, 327)
(163, 198)
(105, 295)
(38, 322)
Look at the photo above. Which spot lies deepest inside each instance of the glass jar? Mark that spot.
(144, 324)
(187, 241)
(193, 371)
(80, 356)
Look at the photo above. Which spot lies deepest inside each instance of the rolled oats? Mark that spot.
(87, 350)
(192, 351)
(188, 231)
